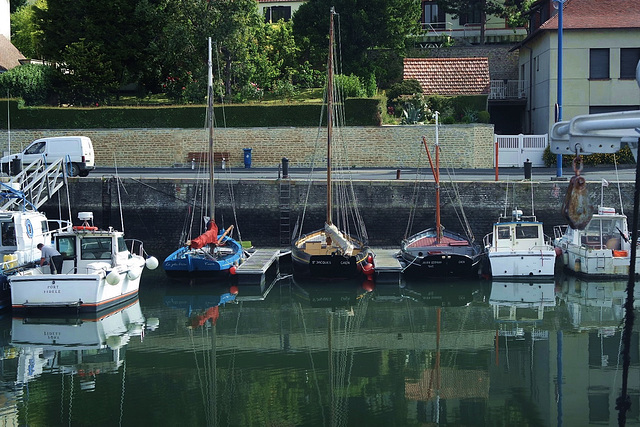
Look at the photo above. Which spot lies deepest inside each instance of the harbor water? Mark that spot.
(297, 353)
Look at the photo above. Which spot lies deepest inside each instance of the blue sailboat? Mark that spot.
(213, 253)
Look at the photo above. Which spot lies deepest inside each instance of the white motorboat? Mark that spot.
(100, 269)
(518, 248)
(602, 250)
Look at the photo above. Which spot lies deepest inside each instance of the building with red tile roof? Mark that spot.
(600, 50)
(449, 76)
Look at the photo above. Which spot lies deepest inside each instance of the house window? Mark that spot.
(276, 13)
(473, 15)
(433, 16)
(598, 63)
(629, 58)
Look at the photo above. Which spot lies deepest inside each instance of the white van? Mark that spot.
(77, 150)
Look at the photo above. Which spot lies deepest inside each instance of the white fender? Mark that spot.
(133, 275)
(151, 263)
(113, 278)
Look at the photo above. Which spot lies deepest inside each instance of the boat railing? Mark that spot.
(487, 240)
(520, 218)
(136, 247)
(559, 230)
(58, 225)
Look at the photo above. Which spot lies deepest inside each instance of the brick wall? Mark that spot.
(463, 146)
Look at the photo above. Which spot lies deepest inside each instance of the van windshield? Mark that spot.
(36, 148)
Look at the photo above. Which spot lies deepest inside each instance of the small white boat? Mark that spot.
(518, 248)
(602, 250)
(100, 269)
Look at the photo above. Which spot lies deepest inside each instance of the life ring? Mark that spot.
(84, 227)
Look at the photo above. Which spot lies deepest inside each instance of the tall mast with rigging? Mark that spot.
(329, 114)
(210, 127)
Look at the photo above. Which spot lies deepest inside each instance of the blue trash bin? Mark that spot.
(247, 157)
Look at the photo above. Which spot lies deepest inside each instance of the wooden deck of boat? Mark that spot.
(255, 268)
(387, 265)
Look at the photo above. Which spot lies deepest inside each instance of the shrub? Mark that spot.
(33, 83)
(350, 85)
(624, 156)
(405, 87)
(284, 89)
(484, 116)
(371, 88)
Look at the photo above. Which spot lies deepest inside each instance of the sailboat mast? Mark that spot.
(437, 178)
(210, 127)
(329, 115)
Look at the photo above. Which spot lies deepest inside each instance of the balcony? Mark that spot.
(506, 90)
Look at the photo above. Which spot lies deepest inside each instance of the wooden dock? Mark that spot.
(387, 266)
(256, 268)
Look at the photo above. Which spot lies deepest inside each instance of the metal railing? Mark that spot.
(507, 89)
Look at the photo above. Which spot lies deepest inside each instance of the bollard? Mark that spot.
(224, 162)
(527, 169)
(397, 173)
(193, 164)
(285, 167)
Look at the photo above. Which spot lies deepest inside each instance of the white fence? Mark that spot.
(514, 150)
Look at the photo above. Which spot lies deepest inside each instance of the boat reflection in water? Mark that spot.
(521, 304)
(82, 346)
(596, 305)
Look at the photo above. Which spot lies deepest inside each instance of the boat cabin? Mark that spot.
(83, 247)
(20, 232)
(517, 232)
(606, 230)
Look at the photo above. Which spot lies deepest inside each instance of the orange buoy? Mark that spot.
(233, 290)
(370, 259)
(232, 270)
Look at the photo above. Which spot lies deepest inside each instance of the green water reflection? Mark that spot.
(327, 354)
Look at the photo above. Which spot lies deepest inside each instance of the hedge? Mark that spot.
(358, 112)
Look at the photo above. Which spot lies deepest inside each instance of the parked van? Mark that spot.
(77, 150)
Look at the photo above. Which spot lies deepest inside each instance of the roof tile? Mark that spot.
(449, 76)
(594, 14)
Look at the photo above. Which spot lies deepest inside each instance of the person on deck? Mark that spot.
(52, 257)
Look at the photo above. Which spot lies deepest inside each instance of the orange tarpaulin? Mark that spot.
(208, 237)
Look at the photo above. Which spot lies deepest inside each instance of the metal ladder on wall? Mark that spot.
(285, 211)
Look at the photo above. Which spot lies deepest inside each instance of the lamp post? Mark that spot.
(559, 4)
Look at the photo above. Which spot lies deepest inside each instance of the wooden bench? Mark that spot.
(202, 157)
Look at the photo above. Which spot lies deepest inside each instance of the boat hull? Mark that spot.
(200, 262)
(453, 256)
(441, 265)
(522, 264)
(325, 263)
(76, 293)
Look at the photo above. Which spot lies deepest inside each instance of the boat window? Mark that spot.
(8, 234)
(122, 246)
(526, 231)
(45, 226)
(96, 248)
(503, 233)
(67, 247)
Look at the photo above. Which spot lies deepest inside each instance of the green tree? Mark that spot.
(92, 79)
(364, 27)
(120, 30)
(24, 33)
